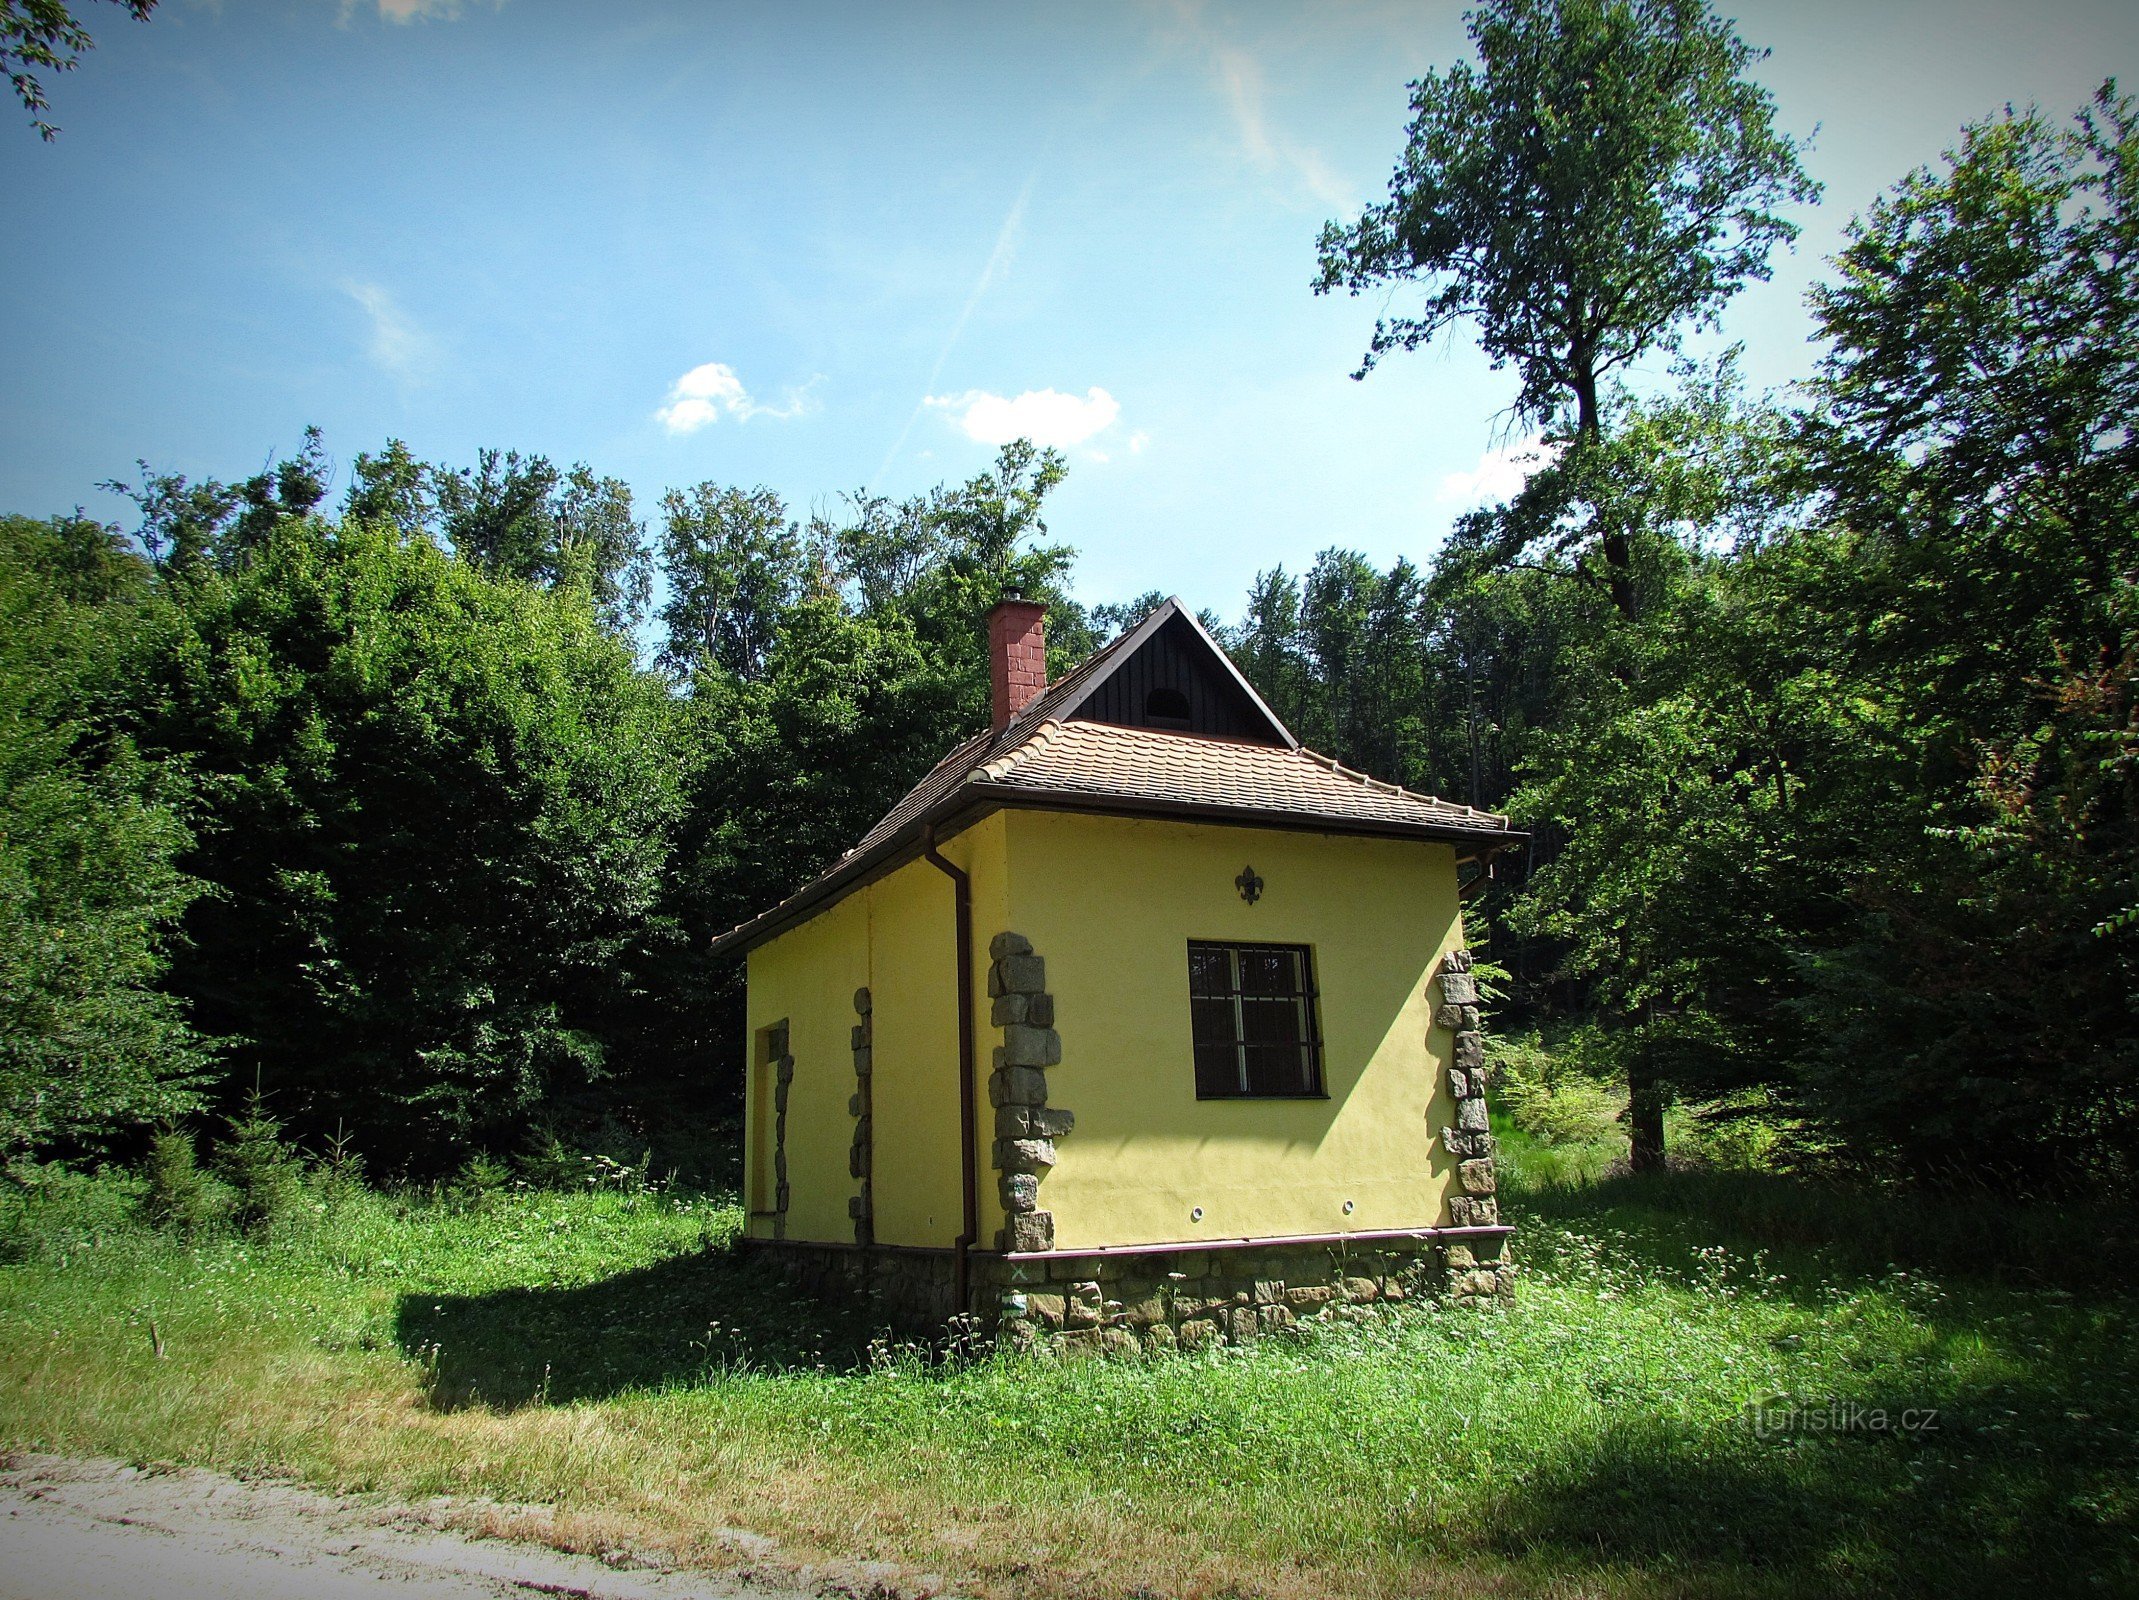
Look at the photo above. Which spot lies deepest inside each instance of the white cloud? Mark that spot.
(709, 392)
(1241, 76)
(1045, 416)
(397, 344)
(1499, 475)
(406, 11)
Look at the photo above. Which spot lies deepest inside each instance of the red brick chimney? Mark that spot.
(1017, 656)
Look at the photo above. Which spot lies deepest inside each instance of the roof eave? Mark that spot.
(1008, 794)
(980, 797)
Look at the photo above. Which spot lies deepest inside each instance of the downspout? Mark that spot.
(968, 1116)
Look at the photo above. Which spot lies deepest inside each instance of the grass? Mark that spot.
(609, 1355)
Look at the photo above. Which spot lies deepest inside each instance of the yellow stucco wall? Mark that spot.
(1111, 904)
(895, 936)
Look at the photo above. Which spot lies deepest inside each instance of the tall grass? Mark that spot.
(608, 1355)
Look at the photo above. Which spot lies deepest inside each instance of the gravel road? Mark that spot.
(101, 1530)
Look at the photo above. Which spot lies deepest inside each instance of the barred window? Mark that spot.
(1253, 1010)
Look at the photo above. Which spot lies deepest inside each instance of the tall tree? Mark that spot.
(1977, 435)
(529, 520)
(90, 837)
(735, 564)
(1599, 185)
(439, 807)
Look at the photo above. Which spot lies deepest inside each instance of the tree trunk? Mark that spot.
(1645, 1119)
(1645, 1094)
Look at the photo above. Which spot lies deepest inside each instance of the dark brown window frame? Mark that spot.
(1308, 997)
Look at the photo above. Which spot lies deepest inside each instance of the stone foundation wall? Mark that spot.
(909, 1291)
(1155, 1301)
(1190, 1298)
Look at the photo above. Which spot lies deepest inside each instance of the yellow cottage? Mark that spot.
(1136, 1022)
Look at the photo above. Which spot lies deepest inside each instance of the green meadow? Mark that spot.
(1711, 1383)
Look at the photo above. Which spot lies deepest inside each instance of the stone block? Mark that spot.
(1045, 1309)
(1361, 1290)
(862, 1001)
(1051, 1122)
(1026, 1086)
(1008, 944)
(1266, 1291)
(864, 1062)
(857, 1206)
(857, 1161)
(1470, 1115)
(1159, 1340)
(1457, 1019)
(1144, 1308)
(1458, 989)
(783, 1071)
(1456, 961)
(858, 1036)
(1083, 1305)
(1008, 1008)
(1013, 1122)
(1476, 1177)
(779, 1196)
(1119, 1343)
(1466, 1212)
(1242, 1324)
(1459, 1083)
(1040, 1010)
(1020, 1191)
(854, 1105)
(779, 1165)
(1027, 1046)
(1196, 1333)
(1308, 1296)
(1273, 1318)
(1017, 975)
(1030, 1230)
(1470, 1056)
(1024, 1155)
(1460, 1257)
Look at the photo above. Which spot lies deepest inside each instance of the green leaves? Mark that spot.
(1604, 178)
(90, 837)
(442, 808)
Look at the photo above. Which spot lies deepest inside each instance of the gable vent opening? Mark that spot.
(1166, 708)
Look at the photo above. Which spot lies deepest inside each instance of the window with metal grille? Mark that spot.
(1253, 1010)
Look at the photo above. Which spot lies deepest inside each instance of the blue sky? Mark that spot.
(820, 247)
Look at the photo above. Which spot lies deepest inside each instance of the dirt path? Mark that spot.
(100, 1530)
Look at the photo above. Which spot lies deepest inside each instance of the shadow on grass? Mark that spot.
(2088, 1248)
(1967, 1506)
(2028, 1478)
(649, 1328)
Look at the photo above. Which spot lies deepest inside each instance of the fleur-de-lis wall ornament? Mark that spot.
(1250, 886)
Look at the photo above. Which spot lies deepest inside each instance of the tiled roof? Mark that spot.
(1098, 759)
(1103, 767)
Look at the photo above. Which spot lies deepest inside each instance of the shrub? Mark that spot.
(269, 1176)
(178, 1196)
(1548, 1094)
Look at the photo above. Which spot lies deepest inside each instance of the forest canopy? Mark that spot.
(412, 810)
